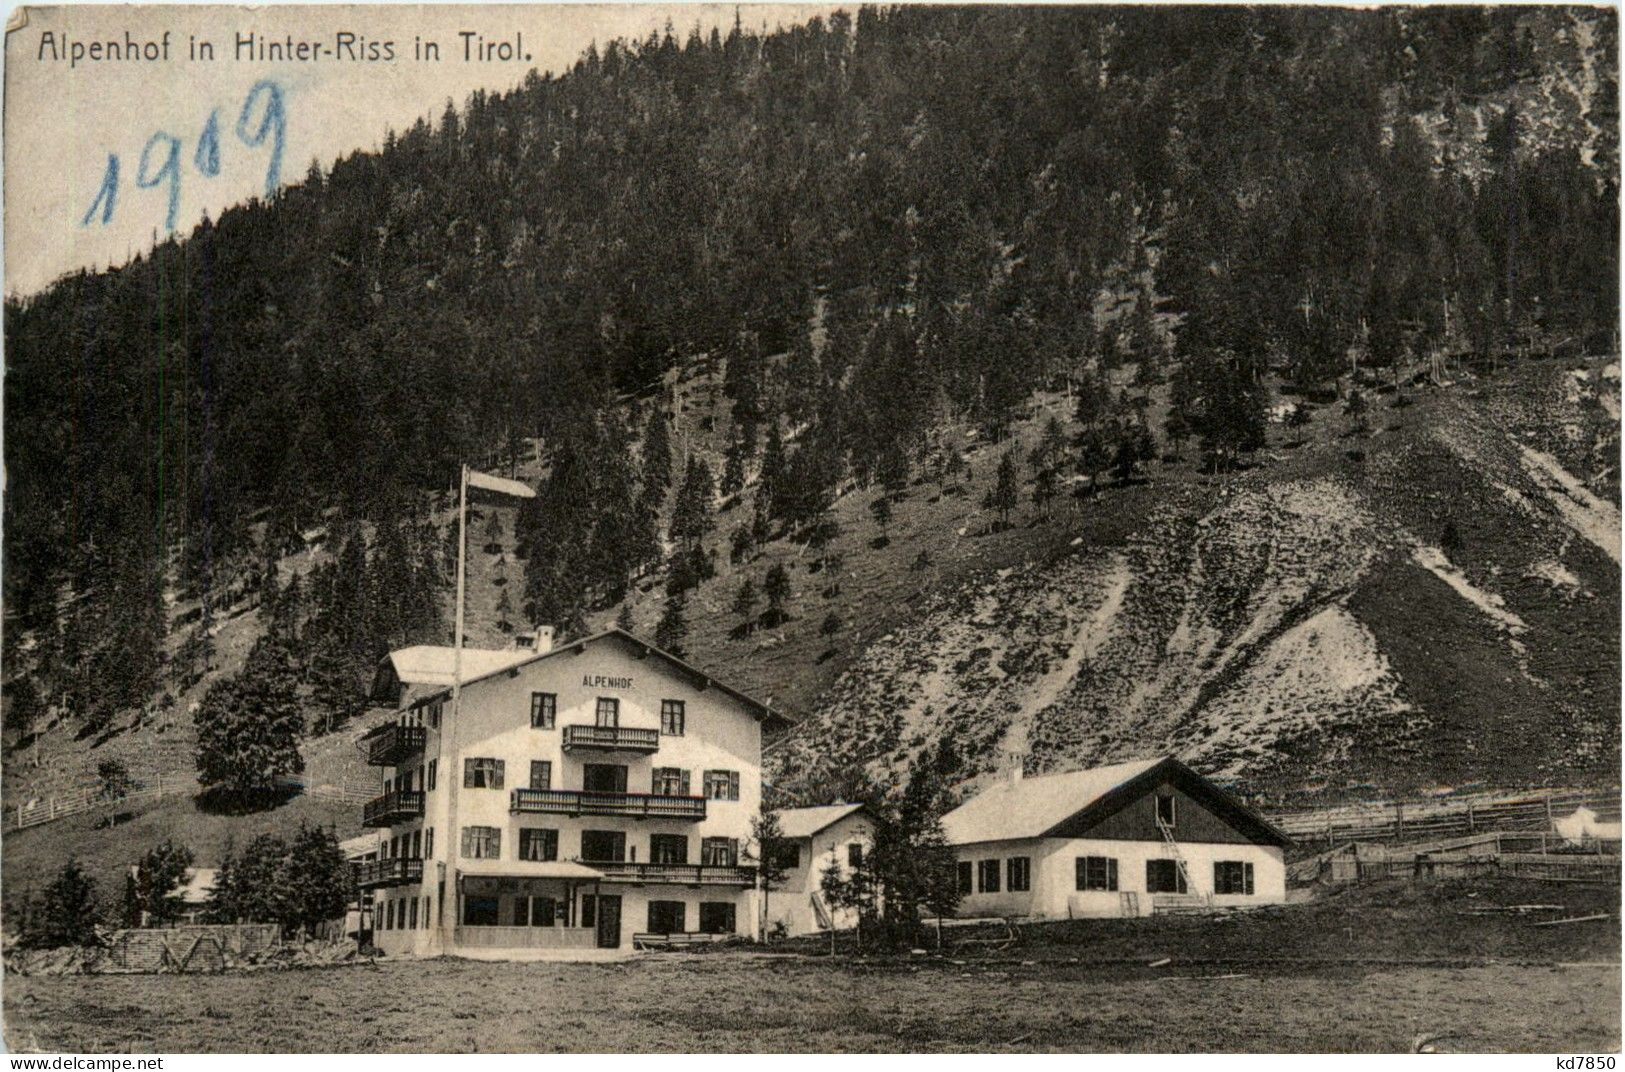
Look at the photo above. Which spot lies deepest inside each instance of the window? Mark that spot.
(538, 844)
(541, 774)
(964, 876)
(603, 778)
(425, 912)
(716, 917)
(417, 844)
(412, 914)
(609, 711)
(1097, 873)
(1166, 810)
(480, 911)
(668, 848)
(987, 876)
(482, 773)
(719, 852)
(544, 710)
(854, 855)
(666, 917)
(428, 844)
(543, 911)
(1232, 876)
(1164, 876)
(389, 914)
(605, 846)
(1018, 874)
(721, 785)
(669, 782)
(672, 717)
(783, 853)
(482, 842)
(434, 765)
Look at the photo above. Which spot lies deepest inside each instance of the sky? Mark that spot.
(104, 153)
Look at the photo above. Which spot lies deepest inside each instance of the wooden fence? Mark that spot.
(1443, 817)
(91, 798)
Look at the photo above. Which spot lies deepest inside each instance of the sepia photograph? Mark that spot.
(797, 528)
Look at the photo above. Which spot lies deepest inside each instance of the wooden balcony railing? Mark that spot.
(393, 744)
(675, 874)
(400, 871)
(611, 739)
(582, 802)
(392, 808)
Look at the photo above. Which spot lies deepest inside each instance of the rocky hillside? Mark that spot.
(1434, 605)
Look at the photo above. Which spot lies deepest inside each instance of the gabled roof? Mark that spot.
(1034, 807)
(521, 658)
(432, 664)
(805, 822)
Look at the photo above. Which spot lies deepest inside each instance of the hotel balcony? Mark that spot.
(397, 872)
(392, 808)
(581, 802)
(611, 739)
(674, 874)
(392, 744)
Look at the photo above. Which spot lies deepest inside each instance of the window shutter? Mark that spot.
(685, 791)
(1248, 877)
(496, 779)
(1111, 872)
(468, 774)
(468, 841)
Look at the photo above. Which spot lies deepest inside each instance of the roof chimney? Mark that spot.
(544, 639)
(1017, 766)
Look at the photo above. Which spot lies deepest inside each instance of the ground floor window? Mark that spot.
(480, 911)
(965, 876)
(426, 902)
(539, 911)
(1164, 876)
(716, 917)
(412, 914)
(987, 876)
(589, 910)
(1018, 872)
(1232, 876)
(1097, 873)
(667, 917)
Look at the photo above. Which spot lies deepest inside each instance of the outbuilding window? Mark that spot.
(1018, 874)
(1232, 876)
(1164, 876)
(987, 876)
(1097, 873)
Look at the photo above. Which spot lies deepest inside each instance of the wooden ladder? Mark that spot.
(1179, 857)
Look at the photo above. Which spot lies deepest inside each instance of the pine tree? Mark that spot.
(1002, 497)
(744, 603)
(777, 589)
(655, 455)
(66, 912)
(672, 630)
(316, 881)
(623, 620)
(248, 728)
(158, 874)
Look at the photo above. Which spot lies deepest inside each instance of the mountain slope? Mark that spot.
(1296, 627)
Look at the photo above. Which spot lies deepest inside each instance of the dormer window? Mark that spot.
(1166, 810)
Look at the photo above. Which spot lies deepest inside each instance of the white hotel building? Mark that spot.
(582, 795)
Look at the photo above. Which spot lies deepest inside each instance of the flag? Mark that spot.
(500, 484)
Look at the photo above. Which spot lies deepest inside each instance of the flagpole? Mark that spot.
(462, 555)
(452, 726)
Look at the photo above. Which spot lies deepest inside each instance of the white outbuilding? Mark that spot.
(1123, 840)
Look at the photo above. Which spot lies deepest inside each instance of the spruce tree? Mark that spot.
(671, 632)
(248, 728)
